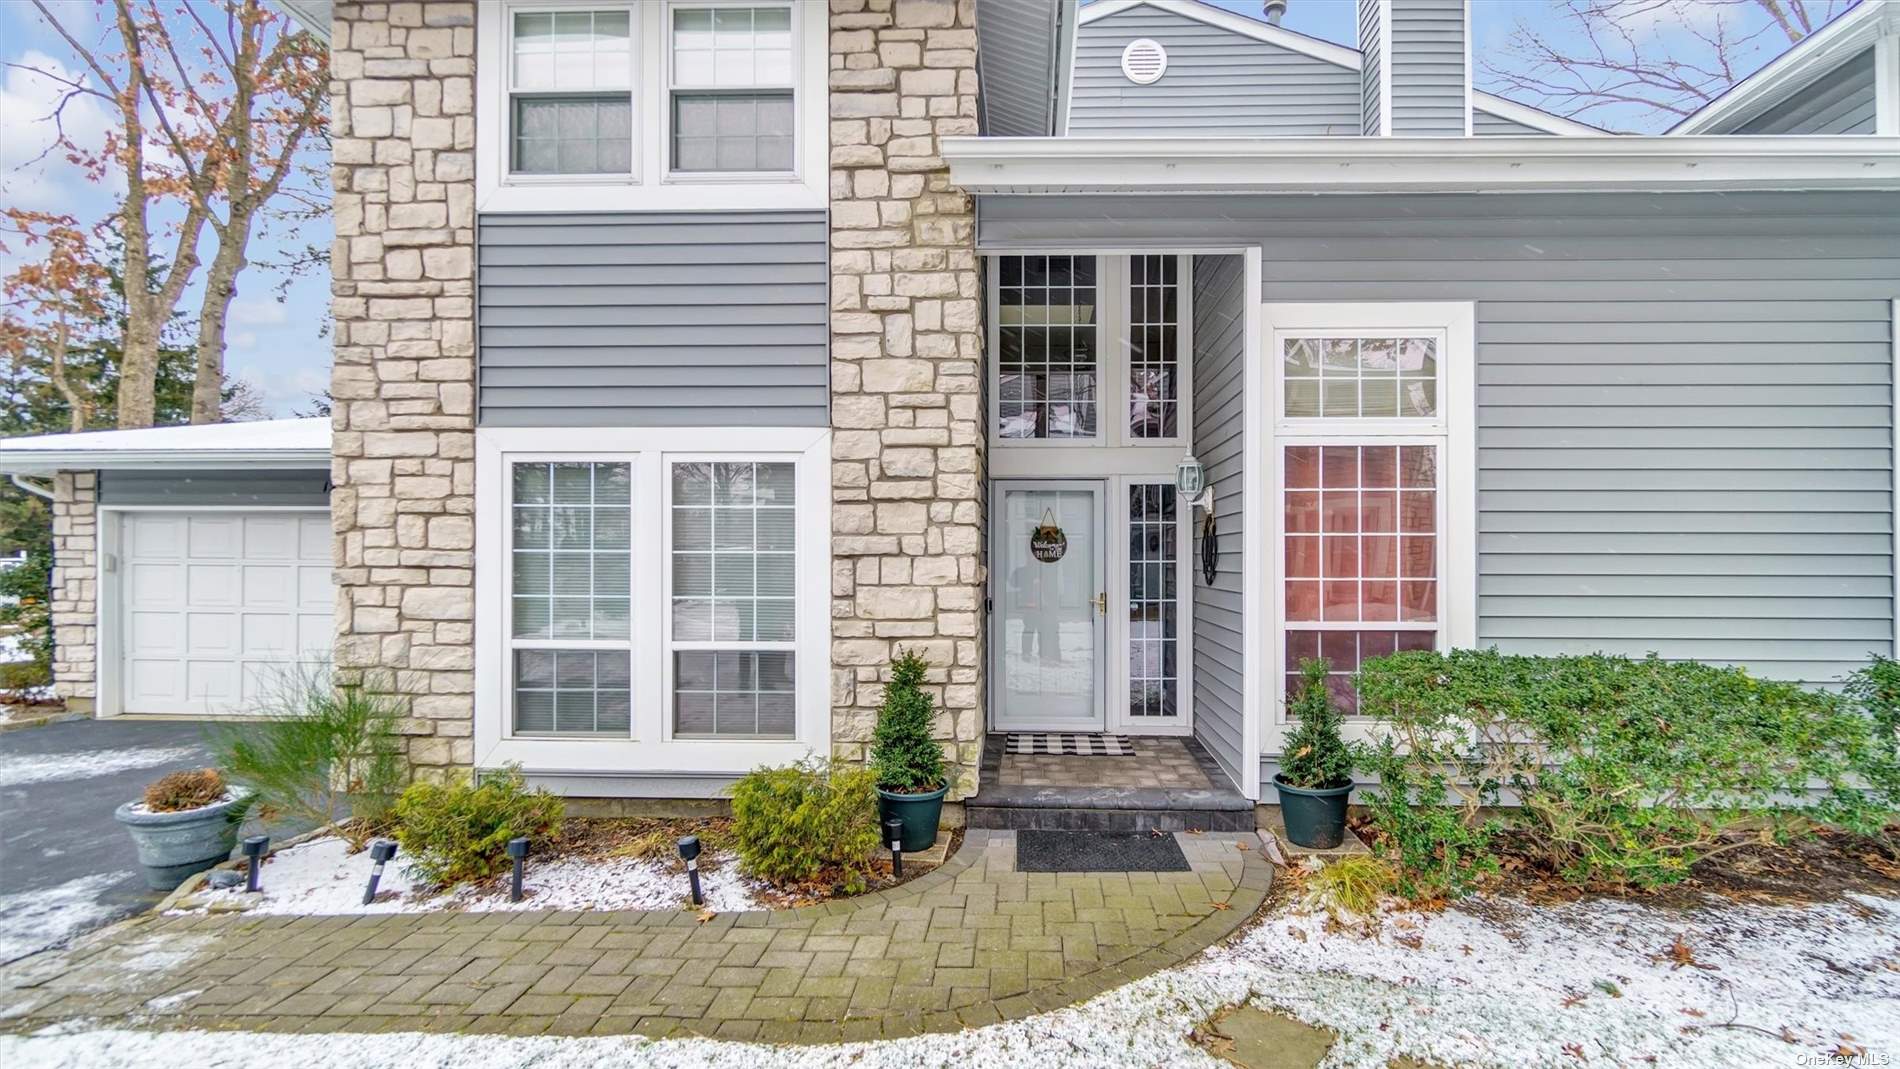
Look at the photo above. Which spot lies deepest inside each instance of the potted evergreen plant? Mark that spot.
(184, 824)
(908, 763)
(1315, 776)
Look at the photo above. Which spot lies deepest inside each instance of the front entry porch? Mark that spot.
(1170, 784)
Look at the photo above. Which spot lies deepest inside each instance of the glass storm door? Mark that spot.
(1049, 601)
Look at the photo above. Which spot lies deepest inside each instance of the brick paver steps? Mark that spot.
(969, 944)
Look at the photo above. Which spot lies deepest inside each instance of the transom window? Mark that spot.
(1373, 377)
(731, 93)
(1090, 350)
(732, 626)
(571, 92)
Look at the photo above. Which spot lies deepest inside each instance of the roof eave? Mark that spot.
(1800, 66)
(1421, 165)
(48, 461)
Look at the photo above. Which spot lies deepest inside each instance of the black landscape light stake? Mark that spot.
(380, 852)
(254, 850)
(518, 850)
(894, 831)
(689, 853)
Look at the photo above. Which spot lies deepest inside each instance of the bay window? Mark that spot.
(649, 603)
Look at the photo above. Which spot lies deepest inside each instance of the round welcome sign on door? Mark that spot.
(1047, 543)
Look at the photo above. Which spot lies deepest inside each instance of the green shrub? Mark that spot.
(1626, 771)
(1876, 688)
(903, 755)
(1315, 754)
(794, 822)
(324, 752)
(459, 831)
(25, 614)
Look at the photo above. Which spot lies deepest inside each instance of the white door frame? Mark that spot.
(998, 487)
(109, 618)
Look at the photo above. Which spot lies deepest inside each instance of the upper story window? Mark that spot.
(663, 105)
(1090, 350)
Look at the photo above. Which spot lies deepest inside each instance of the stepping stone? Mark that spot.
(1257, 1039)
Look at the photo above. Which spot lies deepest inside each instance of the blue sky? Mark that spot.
(278, 344)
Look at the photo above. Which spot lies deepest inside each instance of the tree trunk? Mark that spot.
(138, 362)
(78, 405)
(207, 387)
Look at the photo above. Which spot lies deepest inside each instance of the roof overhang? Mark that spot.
(312, 15)
(1420, 164)
(276, 444)
(1827, 48)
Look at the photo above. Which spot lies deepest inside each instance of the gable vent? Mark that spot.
(1144, 61)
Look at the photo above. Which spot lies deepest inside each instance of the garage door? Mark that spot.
(218, 605)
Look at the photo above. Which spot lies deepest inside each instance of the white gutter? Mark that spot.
(32, 488)
(1420, 164)
(48, 461)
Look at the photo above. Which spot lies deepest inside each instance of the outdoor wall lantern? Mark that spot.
(518, 853)
(894, 831)
(689, 853)
(1190, 481)
(380, 852)
(254, 848)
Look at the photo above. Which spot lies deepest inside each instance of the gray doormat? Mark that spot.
(1098, 851)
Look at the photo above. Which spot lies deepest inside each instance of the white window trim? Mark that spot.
(1454, 431)
(650, 749)
(1120, 683)
(668, 86)
(1112, 316)
(650, 187)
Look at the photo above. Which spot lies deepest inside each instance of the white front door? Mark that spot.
(1048, 606)
(218, 606)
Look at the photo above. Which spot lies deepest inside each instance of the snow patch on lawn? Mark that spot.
(18, 771)
(322, 877)
(1523, 986)
(34, 920)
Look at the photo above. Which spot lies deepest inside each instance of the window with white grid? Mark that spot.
(570, 592)
(1154, 603)
(731, 99)
(1154, 354)
(1048, 364)
(731, 557)
(570, 98)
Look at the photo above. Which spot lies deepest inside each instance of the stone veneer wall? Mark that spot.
(76, 588)
(403, 175)
(907, 473)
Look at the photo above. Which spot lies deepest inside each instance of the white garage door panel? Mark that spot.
(219, 606)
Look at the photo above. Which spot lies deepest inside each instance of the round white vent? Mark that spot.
(1144, 61)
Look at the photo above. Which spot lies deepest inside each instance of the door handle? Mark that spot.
(1101, 603)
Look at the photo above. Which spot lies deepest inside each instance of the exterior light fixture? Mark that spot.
(380, 852)
(254, 848)
(1190, 481)
(689, 853)
(518, 853)
(894, 831)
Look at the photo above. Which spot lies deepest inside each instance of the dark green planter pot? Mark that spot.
(919, 812)
(1315, 816)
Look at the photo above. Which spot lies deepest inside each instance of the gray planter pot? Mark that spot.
(173, 846)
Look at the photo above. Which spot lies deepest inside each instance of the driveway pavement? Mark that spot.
(65, 865)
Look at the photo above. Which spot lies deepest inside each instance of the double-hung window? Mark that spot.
(570, 92)
(730, 92)
(1372, 509)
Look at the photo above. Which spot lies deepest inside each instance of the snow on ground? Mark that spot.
(34, 920)
(84, 764)
(321, 876)
(11, 649)
(1576, 985)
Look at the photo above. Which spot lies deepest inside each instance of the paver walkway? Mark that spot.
(970, 944)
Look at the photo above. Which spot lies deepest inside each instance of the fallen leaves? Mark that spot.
(706, 915)
(1681, 955)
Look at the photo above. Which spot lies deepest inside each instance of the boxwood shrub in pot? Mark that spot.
(908, 763)
(1315, 777)
(184, 824)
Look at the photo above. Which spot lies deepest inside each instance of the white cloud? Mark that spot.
(288, 389)
(262, 312)
(30, 176)
(1661, 18)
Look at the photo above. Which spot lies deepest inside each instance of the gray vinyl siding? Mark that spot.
(1427, 54)
(1372, 53)
(653, 319)
(307, 487)
(1841, 102)
(1017, 61)
(1218, 84)
(1220, 349)
(1685, 429)
(1485, 124)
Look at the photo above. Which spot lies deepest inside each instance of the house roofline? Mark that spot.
(1524, 114)
(281, 443)
(312, 15)
(1856, 29)
(1420, 164)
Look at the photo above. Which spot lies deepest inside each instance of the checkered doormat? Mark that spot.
(1071, 745)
